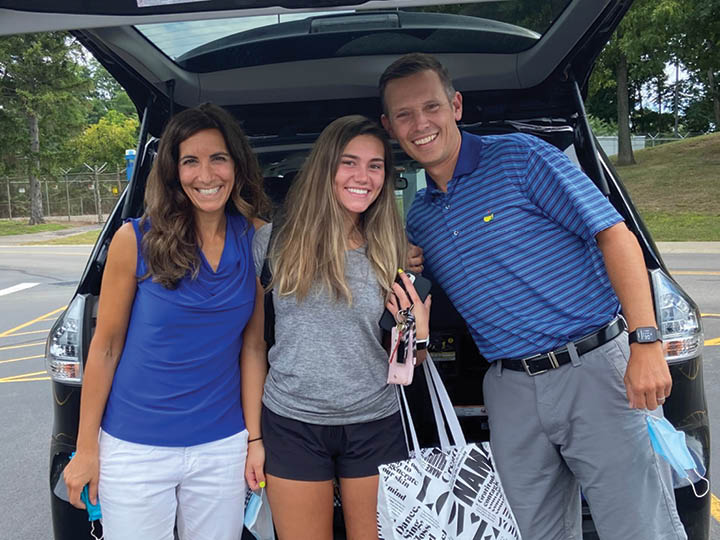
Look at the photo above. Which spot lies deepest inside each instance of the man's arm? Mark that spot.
(414, 261)
(647, 378)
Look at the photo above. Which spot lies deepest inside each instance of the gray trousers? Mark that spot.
(572, 428)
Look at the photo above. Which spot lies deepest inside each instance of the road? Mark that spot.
(36, 282)
(50, 275)
(699, 275)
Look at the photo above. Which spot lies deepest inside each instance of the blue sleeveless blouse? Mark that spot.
(178, 380)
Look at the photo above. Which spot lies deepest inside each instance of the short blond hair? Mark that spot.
(410, 64)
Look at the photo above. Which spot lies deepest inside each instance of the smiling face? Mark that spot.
(422, 119)
(206, 171)
(360, 174)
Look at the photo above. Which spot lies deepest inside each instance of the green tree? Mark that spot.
(108, 95)
(699, 46)
(601, 101)
(41, 85)
(11, 138)
(698, 111)
(636, 54)
(649, 121)
(600, 126)
(106, 141)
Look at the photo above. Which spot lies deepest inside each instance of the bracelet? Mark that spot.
(255, 439)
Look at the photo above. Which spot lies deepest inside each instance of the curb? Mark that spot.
(22, 239)
(665, 248)
(688, 247)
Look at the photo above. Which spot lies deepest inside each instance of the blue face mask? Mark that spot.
(672, 446)
(258, 518)
(252, 508)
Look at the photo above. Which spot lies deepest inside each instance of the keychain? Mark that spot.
(403, 349)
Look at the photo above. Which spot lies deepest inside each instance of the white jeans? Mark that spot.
(144, 488)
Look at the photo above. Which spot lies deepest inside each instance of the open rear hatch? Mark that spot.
(291, 67)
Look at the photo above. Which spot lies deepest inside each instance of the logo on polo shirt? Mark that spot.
(489, 217)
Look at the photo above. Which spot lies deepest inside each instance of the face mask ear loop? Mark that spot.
(92, 528)
(707, 483)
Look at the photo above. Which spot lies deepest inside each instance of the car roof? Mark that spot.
(336, 55)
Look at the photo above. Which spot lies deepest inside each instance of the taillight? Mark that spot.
(63, 353)
(678, 318)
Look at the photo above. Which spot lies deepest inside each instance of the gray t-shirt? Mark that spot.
(328, 365)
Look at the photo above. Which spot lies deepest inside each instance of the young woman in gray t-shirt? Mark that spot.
(323, 410)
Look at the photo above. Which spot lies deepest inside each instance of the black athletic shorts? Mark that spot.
(310, 452)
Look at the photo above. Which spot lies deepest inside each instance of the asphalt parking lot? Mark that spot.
(36, 283)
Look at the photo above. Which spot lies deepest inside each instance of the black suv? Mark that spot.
(286, 68)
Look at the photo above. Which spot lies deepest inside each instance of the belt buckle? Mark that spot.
(553, 360)
(526, 367)
(553, 363)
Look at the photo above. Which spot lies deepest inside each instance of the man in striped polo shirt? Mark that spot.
(538, 263)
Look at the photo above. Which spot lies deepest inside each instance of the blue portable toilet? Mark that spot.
(129, 163)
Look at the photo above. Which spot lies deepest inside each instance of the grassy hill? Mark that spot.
(676, 187)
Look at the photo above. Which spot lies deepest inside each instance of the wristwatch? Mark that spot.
(644, 334)
(421, 344)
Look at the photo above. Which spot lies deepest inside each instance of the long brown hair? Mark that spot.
(312, 241)
(170, 246)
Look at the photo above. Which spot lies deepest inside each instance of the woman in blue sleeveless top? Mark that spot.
(162, 440)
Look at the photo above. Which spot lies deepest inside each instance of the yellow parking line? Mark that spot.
(694, 273)
(28, 333)
(24, 325)
(711, 342)
(24, 377)
(710, 314)
(27, 380)
(22, 346)
(23, 358)
(715, 507)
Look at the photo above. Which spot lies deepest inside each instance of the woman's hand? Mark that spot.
(84, 468)
(254, 465)
(403, 300)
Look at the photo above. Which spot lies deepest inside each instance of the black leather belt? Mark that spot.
(540, 363)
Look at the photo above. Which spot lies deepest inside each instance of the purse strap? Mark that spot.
(441, 405)
(436, 407)
(405, 412)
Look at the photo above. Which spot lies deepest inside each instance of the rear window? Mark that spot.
(508, 26)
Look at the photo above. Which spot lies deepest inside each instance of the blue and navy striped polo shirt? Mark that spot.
(512, 243)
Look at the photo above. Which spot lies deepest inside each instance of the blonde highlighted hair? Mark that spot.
(312, 241)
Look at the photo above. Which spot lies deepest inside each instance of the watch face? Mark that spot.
(646, 335)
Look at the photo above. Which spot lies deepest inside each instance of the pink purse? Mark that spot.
(403, 351)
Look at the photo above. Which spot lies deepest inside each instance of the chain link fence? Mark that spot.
(609, 143)
(90, 193)
(94, 192)
(663, 138)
